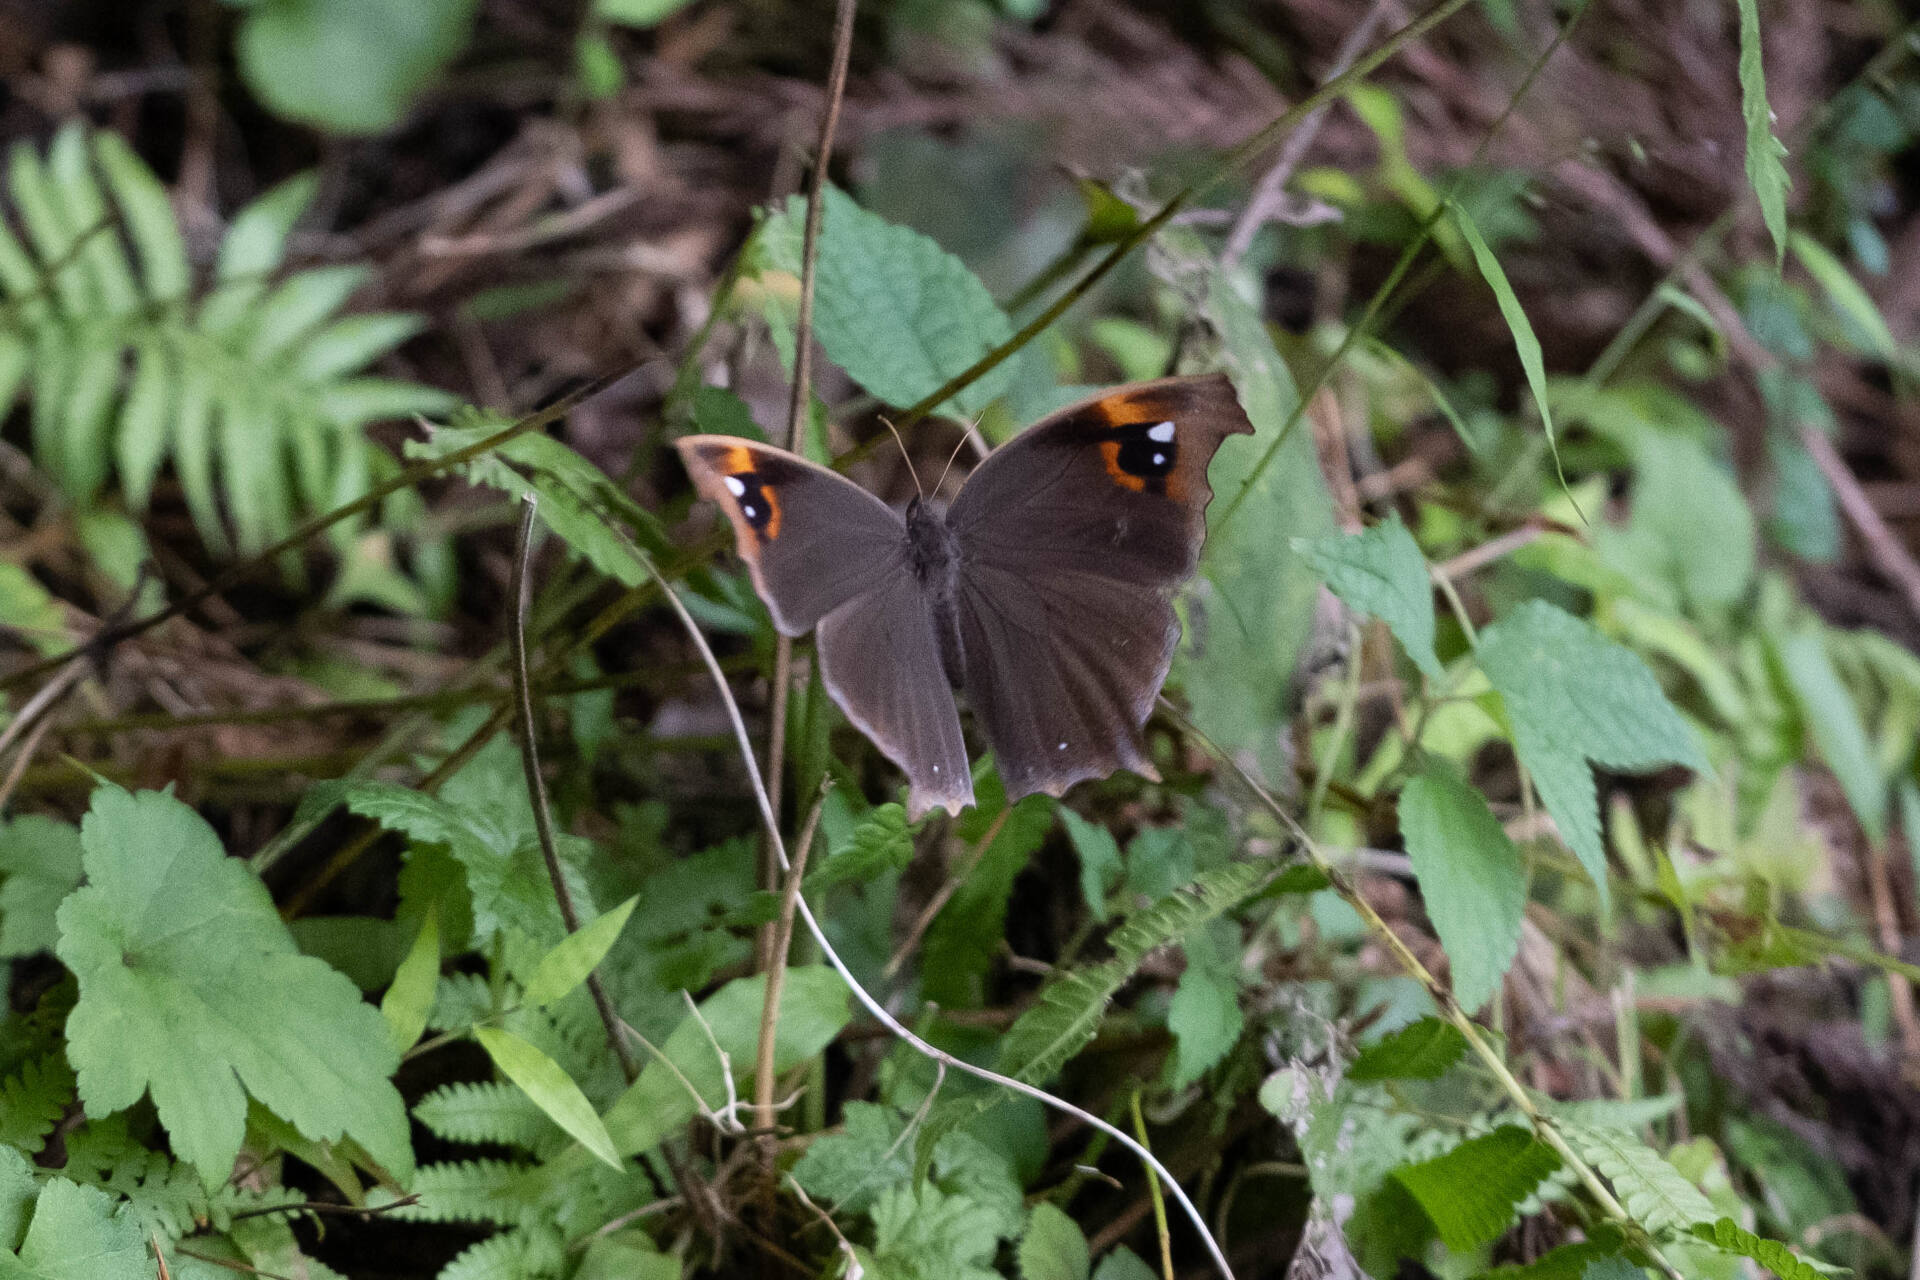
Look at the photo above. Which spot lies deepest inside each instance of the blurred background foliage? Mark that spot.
(1567, 598)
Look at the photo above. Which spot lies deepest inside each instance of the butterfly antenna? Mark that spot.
(906, 457)
(965, 436)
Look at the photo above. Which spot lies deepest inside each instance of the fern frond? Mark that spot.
(1068, 1012)
(524, 1254)
(251, 389)
(33, 1099)
(493, 1191)
(486, 1112)
(1653, 1190)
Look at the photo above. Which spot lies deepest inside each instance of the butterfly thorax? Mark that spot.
(934, 556)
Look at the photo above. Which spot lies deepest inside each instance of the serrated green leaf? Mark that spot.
(551, 1089)
(1204, 1014)
(922, 1233)
(1470, 1193)
(1653, 1190)
(1833, 719)
(1422, 1050)
(1765, 172)
(881, 843)
(409, 998)
(1381, 573)
(76, 1235)
(1053, 1248)
(1471, 879)
(32, 1100)
(567, 965)
(900, 314)
(191, 989)
(1100, 865)
(39, 867)
(1726, 1234)
(813, 1009)
(1525, 343)
(848, 1169)
(1573, 696)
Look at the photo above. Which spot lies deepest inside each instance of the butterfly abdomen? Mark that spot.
(933, 554)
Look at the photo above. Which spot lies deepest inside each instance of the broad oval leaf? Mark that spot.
(1471, 878)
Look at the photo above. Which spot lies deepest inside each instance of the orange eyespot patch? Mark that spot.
(1110, 454)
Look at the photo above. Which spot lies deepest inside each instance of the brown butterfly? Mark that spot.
(1045, 591)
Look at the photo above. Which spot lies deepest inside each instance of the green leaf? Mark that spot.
(1470, 1192)
(1053, 1248)
(1765, 172)
(1568, 1262)
(484, 1112)
(1653, 1191)
(1124, 1264)
(966, 935)
(147, 215)
(1204, 1014)
(1613, 1268)
(626, 1255)
(848, 1169)
(1100, 865)
(568, 964)
(1525, 344)
(410, 997)
(1574, 696)
(1854, 304)
(638, 13)
(551, 1089)
(813, 1009)
(1381, 573)
(191, 989)
(40, 863)
(1252, 609)
(1730, 1236)
(1422, 1050)
(1471, 879)
(349, 66)
(33, 1099)
(881, 843)
(1833, 718)
(1691, 525)
(900, 314)
(922, 1233)
(76, 1235)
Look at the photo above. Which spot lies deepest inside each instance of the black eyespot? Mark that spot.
(1147, 449)
(760, 509)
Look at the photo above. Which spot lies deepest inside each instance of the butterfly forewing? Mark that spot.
(812, 539)
(1073, 538)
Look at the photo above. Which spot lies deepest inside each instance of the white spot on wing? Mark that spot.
(747, 510)
(1162, 434)
(936, 768)
(1159, 459)
(1061, 747)
(735, 486)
